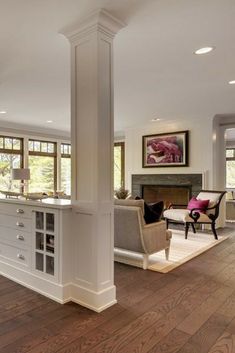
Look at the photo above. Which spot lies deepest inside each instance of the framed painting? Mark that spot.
(166, 150)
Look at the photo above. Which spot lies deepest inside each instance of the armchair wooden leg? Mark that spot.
(167, 252)
(145, 261)
(193, 227)
(214, 230)
(186, 227)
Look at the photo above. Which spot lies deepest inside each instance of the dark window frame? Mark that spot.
(122, 145)
(12, 151)
(65, 155)
(229, 159)
(46, 154)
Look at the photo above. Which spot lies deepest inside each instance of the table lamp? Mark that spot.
(20, 174)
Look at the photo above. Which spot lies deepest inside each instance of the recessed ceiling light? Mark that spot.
(3, 112)
(232, 82)
(156, 119)
(49, 121)
(204, 50)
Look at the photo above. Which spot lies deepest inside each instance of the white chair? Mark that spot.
(133, 235)
(180, 214)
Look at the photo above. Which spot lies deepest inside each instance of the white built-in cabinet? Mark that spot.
(36, 246)
(41, 248)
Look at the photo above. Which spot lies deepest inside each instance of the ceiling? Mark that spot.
(156, 73)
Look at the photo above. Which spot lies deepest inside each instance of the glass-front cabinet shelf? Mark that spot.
(50, 265)
(50, 222)
(39, 220)
(39, 241)
(45, 242)
(50, 243)
(39, 261)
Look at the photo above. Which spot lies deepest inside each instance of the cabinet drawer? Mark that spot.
(18, 255)
(15, 236)
(15, 210)
(15, 222)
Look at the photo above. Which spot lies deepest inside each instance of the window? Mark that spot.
(66, 168)
(11, 156)
(119, 165)
(42, 164)
(230, 167)
(41, 158)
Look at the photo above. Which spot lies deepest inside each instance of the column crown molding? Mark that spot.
(99, 20)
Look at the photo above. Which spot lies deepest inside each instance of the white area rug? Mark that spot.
(181, 250)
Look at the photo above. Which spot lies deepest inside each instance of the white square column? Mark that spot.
(92, 159)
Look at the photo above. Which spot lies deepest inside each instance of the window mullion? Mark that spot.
(58, 167)
(26, 159)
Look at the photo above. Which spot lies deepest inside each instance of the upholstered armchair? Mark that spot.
(133, 235)
(197, 215)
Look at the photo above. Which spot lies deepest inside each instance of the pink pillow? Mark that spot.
(198, 205)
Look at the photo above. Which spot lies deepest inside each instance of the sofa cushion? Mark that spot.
(182, 215)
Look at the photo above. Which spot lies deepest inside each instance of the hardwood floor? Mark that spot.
(189, 310)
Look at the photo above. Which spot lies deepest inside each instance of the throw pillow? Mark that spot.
(198, 205)
(153, 212)
(158, 209)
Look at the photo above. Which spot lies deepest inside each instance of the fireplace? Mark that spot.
(170, 188)
(175, 194)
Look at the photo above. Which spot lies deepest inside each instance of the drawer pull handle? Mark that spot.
(19, 210)
(20, 237)
(20, 224)
(20, 256)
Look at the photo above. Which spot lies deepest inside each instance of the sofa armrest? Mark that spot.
(155, 237)
(161, 225)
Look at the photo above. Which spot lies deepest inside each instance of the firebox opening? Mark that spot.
(169, 194)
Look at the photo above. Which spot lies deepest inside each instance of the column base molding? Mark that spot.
(96, 301)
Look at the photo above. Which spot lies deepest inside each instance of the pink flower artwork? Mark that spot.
(165, 150)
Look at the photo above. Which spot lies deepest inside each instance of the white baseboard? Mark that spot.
(96, 301)
(49, 289)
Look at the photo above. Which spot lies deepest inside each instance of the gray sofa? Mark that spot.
(133, 235)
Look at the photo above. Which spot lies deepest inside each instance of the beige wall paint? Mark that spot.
(200, 149)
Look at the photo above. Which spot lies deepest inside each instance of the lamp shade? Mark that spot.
(20, 173)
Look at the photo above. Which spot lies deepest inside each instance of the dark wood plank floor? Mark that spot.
(190, 310)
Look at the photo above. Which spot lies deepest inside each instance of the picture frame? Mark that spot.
(165, 149)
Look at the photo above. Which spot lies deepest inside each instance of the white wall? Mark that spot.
(200, 149)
